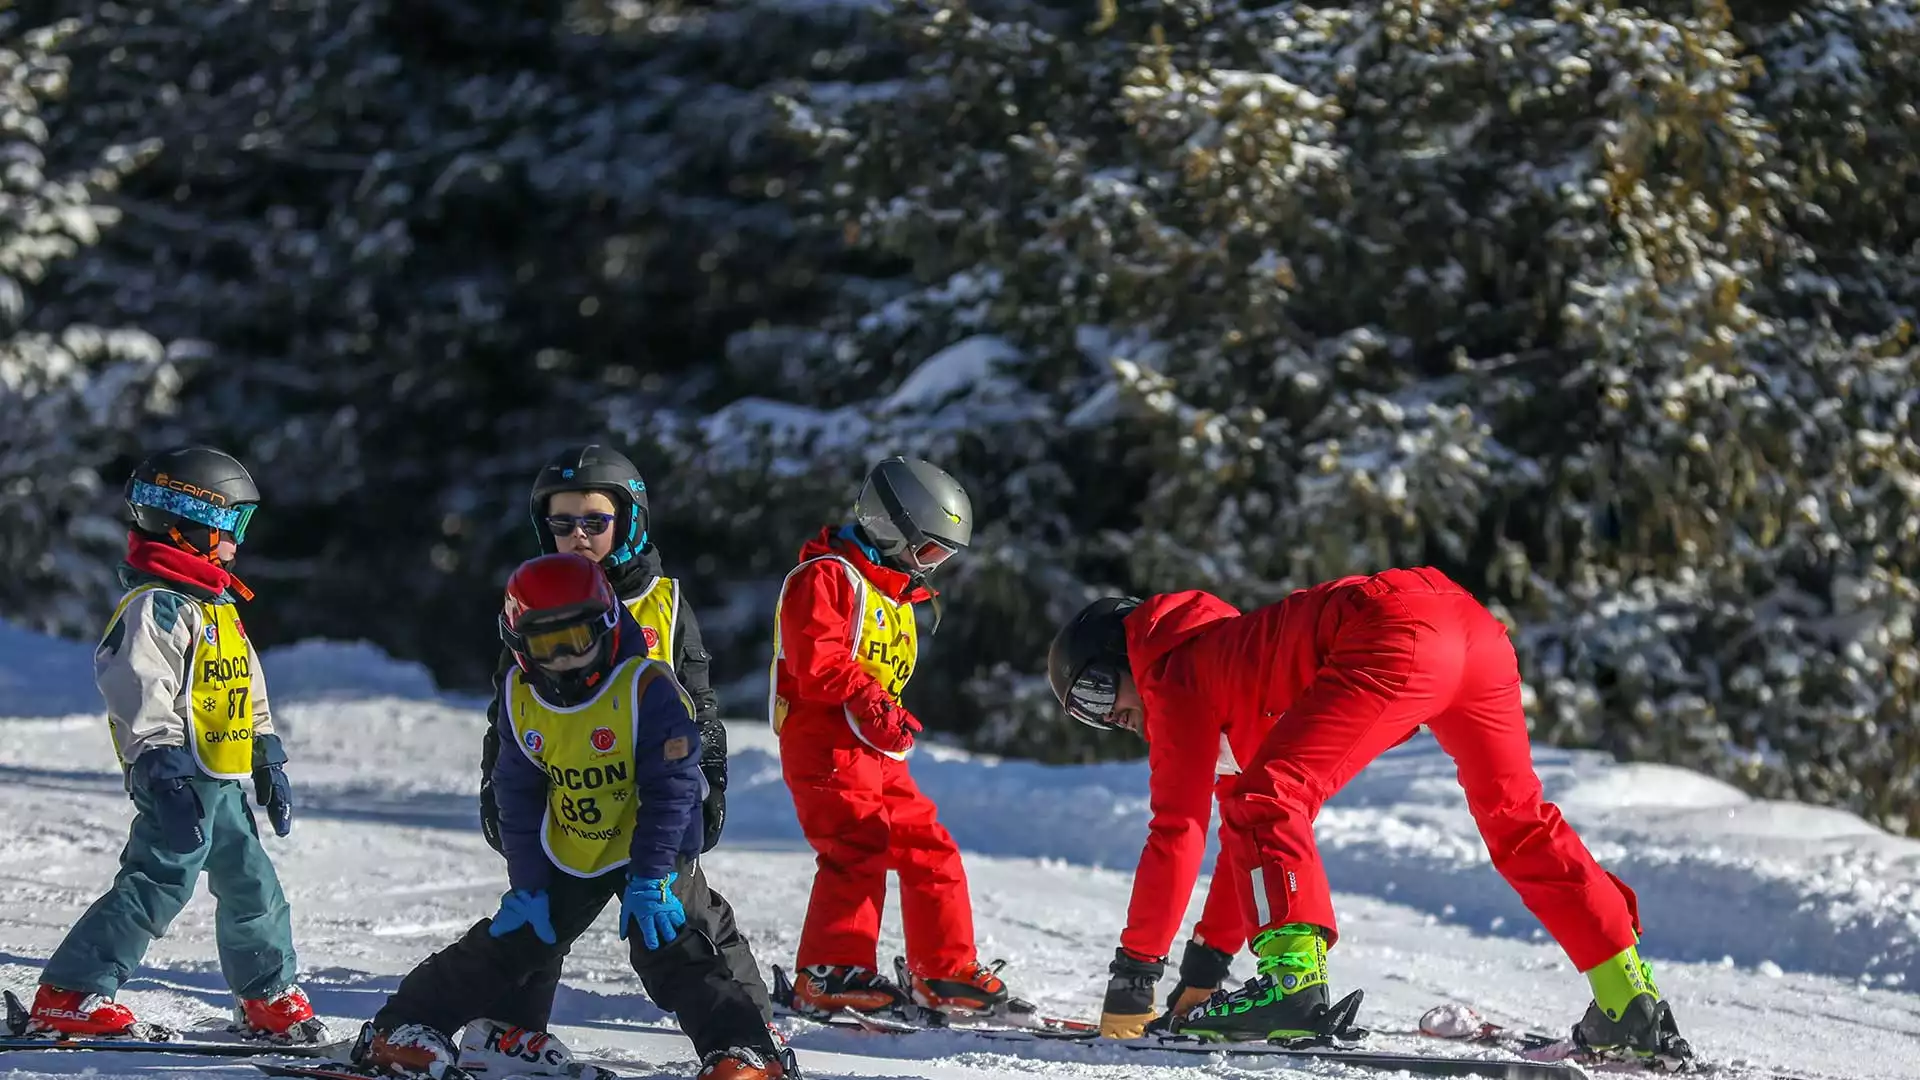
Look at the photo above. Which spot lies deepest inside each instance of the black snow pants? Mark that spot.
(705, 976)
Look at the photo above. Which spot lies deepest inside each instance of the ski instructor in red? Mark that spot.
(1274, 711)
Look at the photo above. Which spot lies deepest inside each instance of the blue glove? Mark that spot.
(270, 787)
(522, 907)
(651, 903)
(163, 773)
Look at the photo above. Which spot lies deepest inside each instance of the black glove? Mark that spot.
(1128, 1004)
(489, 804)
(713, 815)
(1202, 969)
(270, 786)
(713, 766)
(163, 773)
(490, 817)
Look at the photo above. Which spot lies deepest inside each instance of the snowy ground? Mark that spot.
(1785, 934)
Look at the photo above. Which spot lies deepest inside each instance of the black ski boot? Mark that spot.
(1628, 1020)
(1645, 1031)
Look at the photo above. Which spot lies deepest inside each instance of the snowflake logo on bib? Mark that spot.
(603, 739)
(533, 741)
(651, 636)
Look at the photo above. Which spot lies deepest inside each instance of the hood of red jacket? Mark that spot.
(841, 540)
(1165, 621)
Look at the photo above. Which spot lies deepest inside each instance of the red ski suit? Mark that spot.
(859, 807)
(1278, 708)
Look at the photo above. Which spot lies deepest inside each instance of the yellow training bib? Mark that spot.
(587, 753)
(657, 610)
(219, 688)
(886, 647)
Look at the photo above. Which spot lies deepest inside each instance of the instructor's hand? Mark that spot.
(1129, 1001)
(1202, 969)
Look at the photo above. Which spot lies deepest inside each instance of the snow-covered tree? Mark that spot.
(1603, 310)
(428, 240)
(72, 395)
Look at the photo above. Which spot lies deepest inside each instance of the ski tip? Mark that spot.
(1451, 1021)
(782, 989)
(18, 1016)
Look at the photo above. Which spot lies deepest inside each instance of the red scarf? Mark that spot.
(173, 564)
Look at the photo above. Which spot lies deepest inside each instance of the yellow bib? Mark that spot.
(657, 610)
(219, 688)
(587, 753)
(887, 646)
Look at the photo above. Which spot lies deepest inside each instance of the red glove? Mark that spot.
(884, 723)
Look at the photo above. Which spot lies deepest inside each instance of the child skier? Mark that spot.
(591, 500)
(1282, 706)
(844, 647)
(187, 707)
(599, 796)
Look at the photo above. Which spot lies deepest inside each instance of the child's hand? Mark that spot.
(271, 790)
(163, 774)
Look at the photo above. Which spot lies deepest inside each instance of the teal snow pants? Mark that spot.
(252, 925)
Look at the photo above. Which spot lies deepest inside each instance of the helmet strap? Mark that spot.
(933, 600)
(212, 556)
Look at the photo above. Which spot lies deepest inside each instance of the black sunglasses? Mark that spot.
(591, 524)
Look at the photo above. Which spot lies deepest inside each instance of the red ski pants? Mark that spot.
(1417, 651)
(864, 815)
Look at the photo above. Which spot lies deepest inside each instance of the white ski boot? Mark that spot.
(490, 1049)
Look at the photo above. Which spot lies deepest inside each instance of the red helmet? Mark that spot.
(560, 610)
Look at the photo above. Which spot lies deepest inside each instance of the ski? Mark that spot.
(1081, 1032)
(1396, 1061)
(148, 1038)
(1018, 1015)
(1461, 1024)
(340, 1070)
(344, 1070)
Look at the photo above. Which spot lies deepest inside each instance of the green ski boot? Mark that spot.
(1628, 1020)
(1286, 1001)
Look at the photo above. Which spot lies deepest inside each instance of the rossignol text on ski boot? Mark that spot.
(491, 1048)
(1286, 1001)
(1628, 1020)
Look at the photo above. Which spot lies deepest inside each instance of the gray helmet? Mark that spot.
(914, 514)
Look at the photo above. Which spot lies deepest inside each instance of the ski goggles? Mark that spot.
(932, 552)
(553, 639)
(591, 524)
(1093, 694)
(228, 519)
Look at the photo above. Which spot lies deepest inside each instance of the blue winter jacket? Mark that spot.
(669, 790)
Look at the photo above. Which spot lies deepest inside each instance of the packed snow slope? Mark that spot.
(1785, 934)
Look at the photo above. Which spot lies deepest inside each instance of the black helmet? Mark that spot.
(914, 515)
(184, 493)
(595, 467)
(1087, 658)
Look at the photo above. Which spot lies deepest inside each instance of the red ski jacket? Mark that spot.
(1213, 681)
(817, 677)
